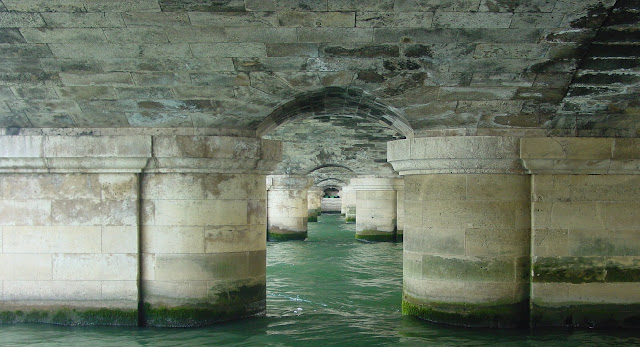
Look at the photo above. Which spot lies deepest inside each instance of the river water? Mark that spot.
(330, 290)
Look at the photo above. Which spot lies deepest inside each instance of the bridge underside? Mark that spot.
(500, 136)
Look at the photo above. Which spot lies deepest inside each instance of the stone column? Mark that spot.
(203, 233)
(287, 207)
(586, 231)
(400, 212)
(376, 209)
(466, 230)
(314, 203)
(69, 224)
(348, 208)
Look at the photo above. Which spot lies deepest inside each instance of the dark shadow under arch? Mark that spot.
(353, 102)
(332, 180)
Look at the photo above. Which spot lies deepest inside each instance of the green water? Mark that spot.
(330, 290)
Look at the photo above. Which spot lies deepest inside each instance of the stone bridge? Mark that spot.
(147, 146)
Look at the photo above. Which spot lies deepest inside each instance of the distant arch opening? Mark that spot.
(351, 102)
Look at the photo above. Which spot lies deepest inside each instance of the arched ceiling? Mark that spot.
(562, 67)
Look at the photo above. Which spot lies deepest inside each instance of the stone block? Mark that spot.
(164, 79)
(207, 267)
(205, 147)
(285, 5)
(229, 49)
(497, 242)
(156, 19)
(450, 214)
(533, 6)
(94, 212)
(221, 79)
(234, 187)
(105, 79)
(510, 51)
(394, 19)
(498, 187)
(67, 239)
(561, 294)
(483, 269)
(360, 5)
(96, 267)
(173, 239)
(536, 20)
(471, 20)
(25, 212)
(432, 5)
(193, 34)
(292, 49)
(161, 291)
(11, 35)
(122, 6)
(335, 35)
(434, 241)
(44, 106)
(136, 35)
(30, 267)
(26, 51)
(223, 239)
(83, 20)
(566, 148)
(411, 265)
(84, 35)
(474, 93)
(550, 242)
(234, 19)
(200, 212)
(54, 291)
(94, 146)
(86, 92)
(48, 6)
(317, 19)
(145, 92)
(118, 186)
(603, 243)
(51, 186)
(20, 20)
(72, 65)
(120, 239)
(199, 6)
(121, 291)
(265, 35)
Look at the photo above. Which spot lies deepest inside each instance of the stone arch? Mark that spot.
(331, 182)
(354, 102)
(323, 166)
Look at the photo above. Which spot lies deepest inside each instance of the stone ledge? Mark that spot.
(137, 153)
(586, 156)
(285, 182)
(375, 183)
(455, 154)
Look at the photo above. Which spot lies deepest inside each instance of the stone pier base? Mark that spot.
(287, 207)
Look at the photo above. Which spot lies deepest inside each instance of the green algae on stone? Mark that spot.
(350, 219)
(586, 315)
(388, 237)
(271, 236)
(471, 315)
(73, 316)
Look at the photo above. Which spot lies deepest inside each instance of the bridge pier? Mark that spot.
(376, 208)
(112, 230)
(513, 232)
(287, 208)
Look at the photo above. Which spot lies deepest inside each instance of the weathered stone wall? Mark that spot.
(115, 230)
(69, 242)
(553, 248)
(585, 240)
